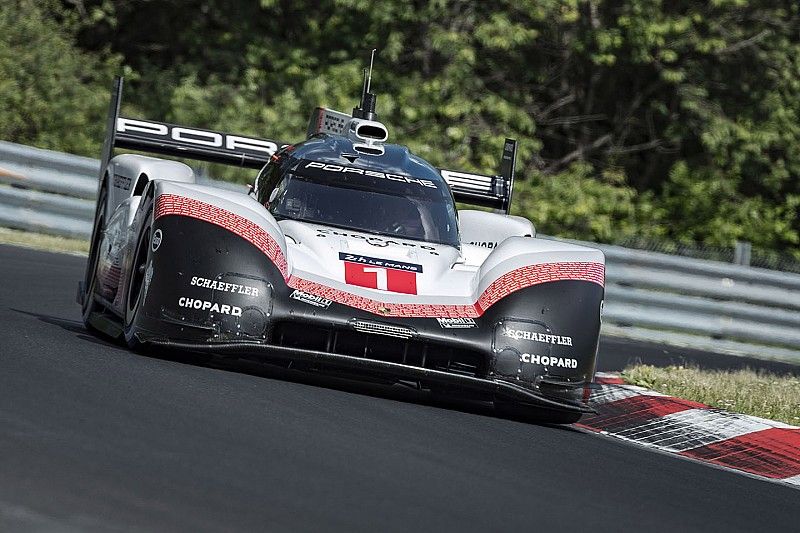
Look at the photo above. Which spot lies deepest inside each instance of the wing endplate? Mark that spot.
(485, 190)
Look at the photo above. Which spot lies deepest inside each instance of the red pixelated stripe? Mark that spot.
(171, 204)
(383, 308)
(635, 411)
(500, 288)
(772, 453)
(541, 273)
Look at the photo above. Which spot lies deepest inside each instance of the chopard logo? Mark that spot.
(563, 362)
(212, 307)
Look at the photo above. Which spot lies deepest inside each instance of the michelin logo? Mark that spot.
(521, 334)
(157, 237)
(563, 362)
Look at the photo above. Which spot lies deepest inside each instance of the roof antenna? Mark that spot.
(371, 61)
(366, 108)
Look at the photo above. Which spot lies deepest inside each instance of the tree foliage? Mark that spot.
(671, 119)
(50, 90)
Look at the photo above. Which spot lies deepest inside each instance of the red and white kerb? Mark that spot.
(394, 280)
(746, 443)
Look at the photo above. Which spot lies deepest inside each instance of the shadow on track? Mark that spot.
(268, 370)
(73, 326)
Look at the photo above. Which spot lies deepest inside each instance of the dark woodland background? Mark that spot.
(676, 120)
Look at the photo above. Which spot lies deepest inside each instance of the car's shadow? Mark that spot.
(395, 392)
(73, 326)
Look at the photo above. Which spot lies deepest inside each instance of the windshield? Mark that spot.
(363, 200)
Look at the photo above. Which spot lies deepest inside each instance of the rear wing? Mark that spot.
(253, 152)
(486, 191)
(179, 141)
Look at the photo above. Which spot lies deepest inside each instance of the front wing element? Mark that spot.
(507, 390)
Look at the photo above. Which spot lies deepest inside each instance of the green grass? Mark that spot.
(40, 241)
(742, 391)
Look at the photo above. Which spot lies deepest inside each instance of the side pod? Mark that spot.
(546, 334)
(212, 270)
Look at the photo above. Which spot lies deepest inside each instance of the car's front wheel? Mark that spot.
(138, 279)
(90, 306)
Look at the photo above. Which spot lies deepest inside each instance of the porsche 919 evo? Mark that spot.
(347, 256)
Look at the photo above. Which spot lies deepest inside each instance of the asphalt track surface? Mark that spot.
(96, 438)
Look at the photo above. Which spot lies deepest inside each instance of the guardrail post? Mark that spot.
(741, 255)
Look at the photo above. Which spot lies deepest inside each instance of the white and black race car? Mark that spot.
(347, 256)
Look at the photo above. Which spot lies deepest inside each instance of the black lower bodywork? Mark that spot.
(209, 290)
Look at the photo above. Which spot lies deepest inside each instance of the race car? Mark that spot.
(347, 256)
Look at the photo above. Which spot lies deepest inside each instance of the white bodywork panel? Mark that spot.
(488, 230)
(124, 172)
(447, 275)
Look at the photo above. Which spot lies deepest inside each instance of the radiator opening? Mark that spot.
(379, 347)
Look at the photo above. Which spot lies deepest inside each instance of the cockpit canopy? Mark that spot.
(372, 201)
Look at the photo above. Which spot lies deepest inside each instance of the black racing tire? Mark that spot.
(534, 413)
(136, 288)
(90, 306)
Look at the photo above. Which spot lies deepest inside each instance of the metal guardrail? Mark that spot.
(52, 192)
(650, 296)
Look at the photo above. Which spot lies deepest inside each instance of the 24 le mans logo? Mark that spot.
(381, 274)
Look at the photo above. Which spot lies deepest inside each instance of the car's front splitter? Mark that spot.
(497, 388)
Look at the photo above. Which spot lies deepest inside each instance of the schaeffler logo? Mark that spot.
(217, 285)
(547, 338)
